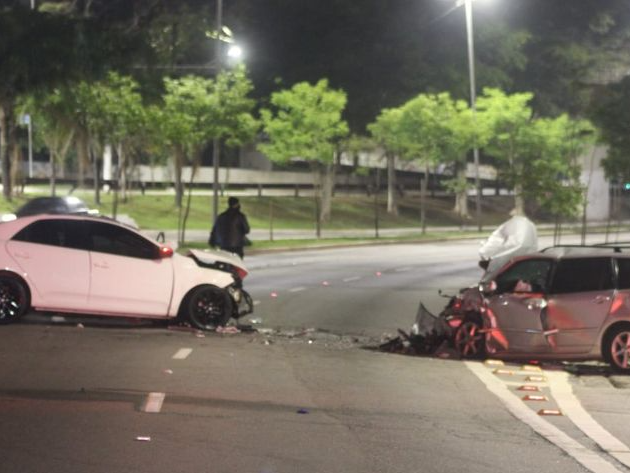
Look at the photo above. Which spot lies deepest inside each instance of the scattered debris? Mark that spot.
(227, 330)
(255, 320)
(167, 371)
(80, 325)
(302, 411)
(143, 438)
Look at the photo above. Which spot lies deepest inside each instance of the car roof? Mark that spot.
(10, 228)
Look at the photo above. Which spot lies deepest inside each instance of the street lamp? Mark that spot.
(473, 99)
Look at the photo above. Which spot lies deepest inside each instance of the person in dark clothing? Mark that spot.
(230, 228)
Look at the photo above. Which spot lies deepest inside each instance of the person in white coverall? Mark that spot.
(515, 237)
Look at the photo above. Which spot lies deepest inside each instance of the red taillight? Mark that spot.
(457, 304)
(166, 251)
(241, 273)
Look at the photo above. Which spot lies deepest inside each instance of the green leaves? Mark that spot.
(306, 122)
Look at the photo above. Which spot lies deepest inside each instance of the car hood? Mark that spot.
(213, 256)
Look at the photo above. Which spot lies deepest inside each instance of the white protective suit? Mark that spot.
(515, 237)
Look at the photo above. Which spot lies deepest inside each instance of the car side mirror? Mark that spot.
(488, 288)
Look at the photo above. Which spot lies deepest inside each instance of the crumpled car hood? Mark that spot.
(212, 256)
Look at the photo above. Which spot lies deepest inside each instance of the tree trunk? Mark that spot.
(461, 194)
(17, 176)
(82, 156)
(53, 173)
(519, 200)
(423, 198)
(179, 186)
(122, 171)
(392, 204)
(326, 179)
(7, 133)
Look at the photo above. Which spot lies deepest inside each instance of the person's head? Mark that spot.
(233, 203)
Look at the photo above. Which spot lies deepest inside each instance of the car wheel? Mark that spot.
(469, 341)
(13, 299)
(616, 349)
(209, 307)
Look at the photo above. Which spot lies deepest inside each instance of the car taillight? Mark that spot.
(241, 273)
(166, 251)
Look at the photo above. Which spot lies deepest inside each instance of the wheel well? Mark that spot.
(13, 275)
(614, 327)
(181, 311)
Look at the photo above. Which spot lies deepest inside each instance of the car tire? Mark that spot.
(14, 300)
(616, 349)
(469, 341)
(209, 307)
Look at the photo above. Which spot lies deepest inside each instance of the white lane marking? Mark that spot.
(352, 278)
(402, 270)
(590, 460)
(572, 408)
(297, 289)
(153, 403)
(182, 353)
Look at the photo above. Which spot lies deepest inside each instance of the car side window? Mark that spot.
(623, 278)
(54, 232)
(112, 239)
(531, 274)
(583, 275)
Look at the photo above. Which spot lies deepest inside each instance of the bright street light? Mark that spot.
(473, 97)
(235, 52)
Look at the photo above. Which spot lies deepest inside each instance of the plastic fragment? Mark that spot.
(80, 325)
(379, 274)
(229, 330)
(302, 411)
(274, 294)
(167, 371)
(256, 320)
(143, 438)
(325, 283)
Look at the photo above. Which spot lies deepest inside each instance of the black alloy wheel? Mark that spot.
(13, 299)
(209, 307)
(469, 340)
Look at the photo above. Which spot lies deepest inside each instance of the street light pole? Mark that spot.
(473, 106)
(216, 144)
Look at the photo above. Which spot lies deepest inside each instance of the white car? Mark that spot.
(93, 265)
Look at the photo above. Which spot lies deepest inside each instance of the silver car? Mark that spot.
(564, 303)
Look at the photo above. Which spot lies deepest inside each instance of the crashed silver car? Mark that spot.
(563, 303)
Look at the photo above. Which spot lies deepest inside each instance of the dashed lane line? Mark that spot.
(182, 353)
(297, 289)
(589, 459)
(153, 403)
(572, 408)
(352, 278)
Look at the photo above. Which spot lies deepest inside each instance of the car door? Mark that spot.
(52, 255)
(580, 298)
(514, 309)
(128, 276)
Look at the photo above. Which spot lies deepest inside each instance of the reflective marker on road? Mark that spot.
(153, 403)
(549, 412)
(182, 353)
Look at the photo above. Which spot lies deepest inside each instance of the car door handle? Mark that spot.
(101, 265)
(19, 254)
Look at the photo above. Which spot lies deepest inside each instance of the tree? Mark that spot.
(116, 117)
(306, 123)
(510, 118)
(52, 115)
(386, 131)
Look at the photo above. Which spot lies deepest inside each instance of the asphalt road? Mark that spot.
(129, 397)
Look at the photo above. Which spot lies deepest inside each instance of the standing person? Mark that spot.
(228, 232)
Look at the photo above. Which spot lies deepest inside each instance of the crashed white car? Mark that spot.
(94, 265)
